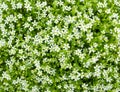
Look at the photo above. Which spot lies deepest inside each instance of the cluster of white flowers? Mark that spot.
(59, 45)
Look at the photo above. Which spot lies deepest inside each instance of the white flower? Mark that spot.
(108, 87)
(66, 86)
(59, 86)
(27, 38)
(56, 21)
(7, 20)
(31, 28)
(26, 25)
(13, 5)
(89, 36)
(35, 89)
(55, 31)
(49, 22)
(72, 87)
(101, 5)
(69, 37)
(46, 39)
(43, 4)
(22, 67)
(75, 76)
(36, 52)
(55, 48)
(86, 65)
(66, 8)
(81, 0)
(91, 11)
(95, 45)
(34, 23)
(12, 51)
(24, 85)
(12, 27)
(62, 59)
(1, 19)
(39, 73)
(76, 34)
(94, 59)
(112, 46)
(70, 90)
(28, 7)
(19, 15)
(19, 5)
(97, 71)
(79, 53)
(47, 90)
(66, 46)
(60, 3)
(2, 42)
(109, 79)
(85, 86)
(37, 64)
(89, 25)
(14, 82)
(64, 77)
(69, 19)
(38, 4)
(21, 51)
(114, 15)
(4, 6)
(29, 19)
(13, 18)
(108, 11)
(37, 39)
(6, 76)
(51, 16)
(9, 63)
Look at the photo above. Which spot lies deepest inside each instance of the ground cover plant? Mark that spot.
(59, 45)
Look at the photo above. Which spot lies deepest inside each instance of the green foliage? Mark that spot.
(59, 45)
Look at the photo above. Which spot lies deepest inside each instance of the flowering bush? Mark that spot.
(59, 45)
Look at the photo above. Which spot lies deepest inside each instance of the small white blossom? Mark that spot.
(35, 89)
(66, 46)
(19, 5)
(4, 6)
(28, 6)
(55, 31)
(2, 42)
(6, 76)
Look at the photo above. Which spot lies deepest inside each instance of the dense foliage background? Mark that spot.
(59, 46)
